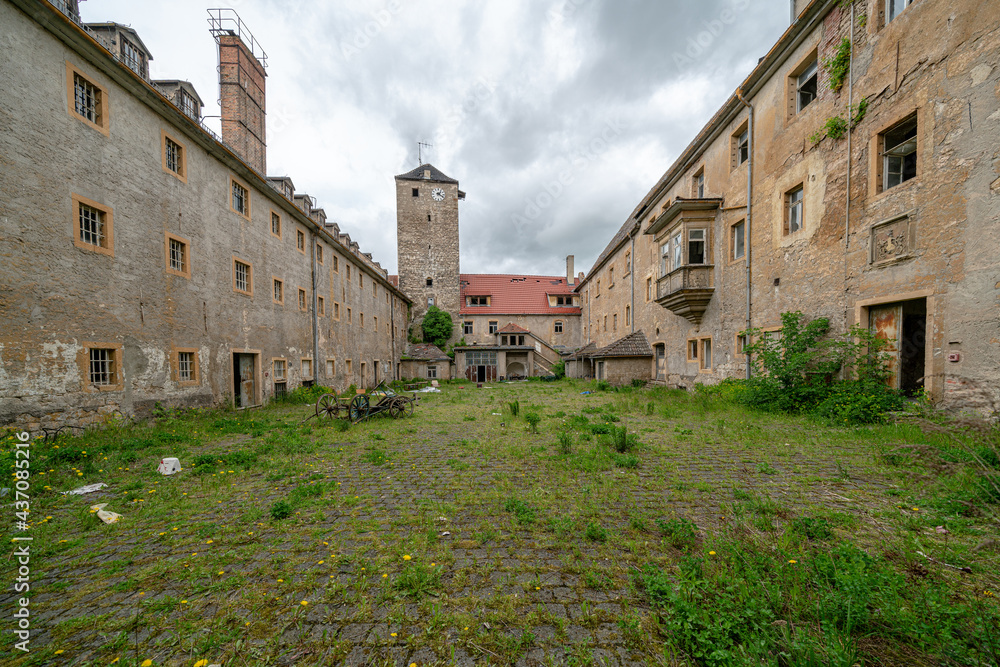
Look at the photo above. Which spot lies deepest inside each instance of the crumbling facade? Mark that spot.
(865, 143)
(146, 261)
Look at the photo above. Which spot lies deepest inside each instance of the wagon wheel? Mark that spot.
(328, 406)
(409, 406)
(359, 408)
(396, 408)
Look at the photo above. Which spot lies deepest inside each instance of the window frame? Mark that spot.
(274, 369)
(175, 357)
(84, 361)
(883, 152)
(302, 301)
(300, 240)
(182, 174)
(739, 147)
(319, 252)
(103, 116)
(233, 181)
(494, 326)
(698, 184)
(789, 206)
(742, 224)
(276, 216)
(280, 284)
(320, 306)
(557, 327)
(692, 349)
(184, 272)
(336, 262)
(331, 367)
(249, 265)
(467, 327)
(311, 375)
(886, 16)
(107, 222)
(795, 84)
(336, 311)
(705, 359)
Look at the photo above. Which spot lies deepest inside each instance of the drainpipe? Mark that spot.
(850, 128)
(315, 313)
(746, 237)
(632, 283)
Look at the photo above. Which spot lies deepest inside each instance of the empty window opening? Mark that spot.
(806, 85)
(696, 246)
(416, 192)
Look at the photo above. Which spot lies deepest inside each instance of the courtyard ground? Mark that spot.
(702, 534)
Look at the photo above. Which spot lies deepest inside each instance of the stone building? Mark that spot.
(427, 224)
(425, 361)
(146, 260)
(782, 202)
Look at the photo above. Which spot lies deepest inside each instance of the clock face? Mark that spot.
(437, 194)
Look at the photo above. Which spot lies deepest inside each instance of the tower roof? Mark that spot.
(426, 172)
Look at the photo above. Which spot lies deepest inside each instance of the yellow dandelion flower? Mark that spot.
(304, 603)
(392, 634)
(406, 556)
(59, 651)
(792, 562)
(147, 663)
(711, 553)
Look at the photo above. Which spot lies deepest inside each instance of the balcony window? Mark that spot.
(696, 246)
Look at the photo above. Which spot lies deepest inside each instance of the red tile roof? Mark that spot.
(512, 328)
(515, 295)
(394, 281)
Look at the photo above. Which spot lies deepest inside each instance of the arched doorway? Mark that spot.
(515, 369)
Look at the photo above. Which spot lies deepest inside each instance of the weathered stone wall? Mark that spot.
(936, 60)
(417, 370)
(623, 370)
(58, 298)
(428, 247)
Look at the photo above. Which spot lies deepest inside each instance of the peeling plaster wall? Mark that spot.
(56, 296)
(940, 60)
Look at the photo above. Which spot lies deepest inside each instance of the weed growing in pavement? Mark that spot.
(681, 533)
(523, 512)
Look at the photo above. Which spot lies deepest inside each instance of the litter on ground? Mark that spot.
(90, 488)
(169, 466)
(103, 515)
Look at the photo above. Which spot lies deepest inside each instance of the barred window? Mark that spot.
(173, 156)
(87, 99)
(92, 226)
(276, 224)
(240, 199)
(102, 366)
(178, 256)
(302, 299)
(185, 366)
(279, 291)
(241, 276)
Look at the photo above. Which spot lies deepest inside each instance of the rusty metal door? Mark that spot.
(886, 322)
(246, 380)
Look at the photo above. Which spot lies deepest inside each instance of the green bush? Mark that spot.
(514, 407)
(559, 369)
(565, 444)
(796, 369)
(533, 418)
(437, 326)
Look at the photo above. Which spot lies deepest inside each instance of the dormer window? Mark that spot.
(133, 58)
(189, 106)
(478, 301)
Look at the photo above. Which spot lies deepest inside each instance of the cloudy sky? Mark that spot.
(556, 116)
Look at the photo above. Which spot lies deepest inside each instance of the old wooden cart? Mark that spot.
(380, 401)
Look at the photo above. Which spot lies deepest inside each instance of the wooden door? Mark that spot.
(246, 389)
(886, 323)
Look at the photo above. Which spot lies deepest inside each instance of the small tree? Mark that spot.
(437, 326)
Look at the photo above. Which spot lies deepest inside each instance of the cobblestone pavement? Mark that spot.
(414, 557)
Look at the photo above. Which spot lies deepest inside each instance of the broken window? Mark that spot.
(479, 301)
(692, 349)
(741, 147)
(705, 360)
(899, 156)
(276, 224)
(696, 246)
(806, 86)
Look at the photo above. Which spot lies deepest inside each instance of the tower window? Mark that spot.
(430, 282)
(416, 192)
(428, 217)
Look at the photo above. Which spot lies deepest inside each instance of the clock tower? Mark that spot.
(427, 240)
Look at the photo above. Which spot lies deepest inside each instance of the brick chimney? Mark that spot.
(569, 270)
(241, 84)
